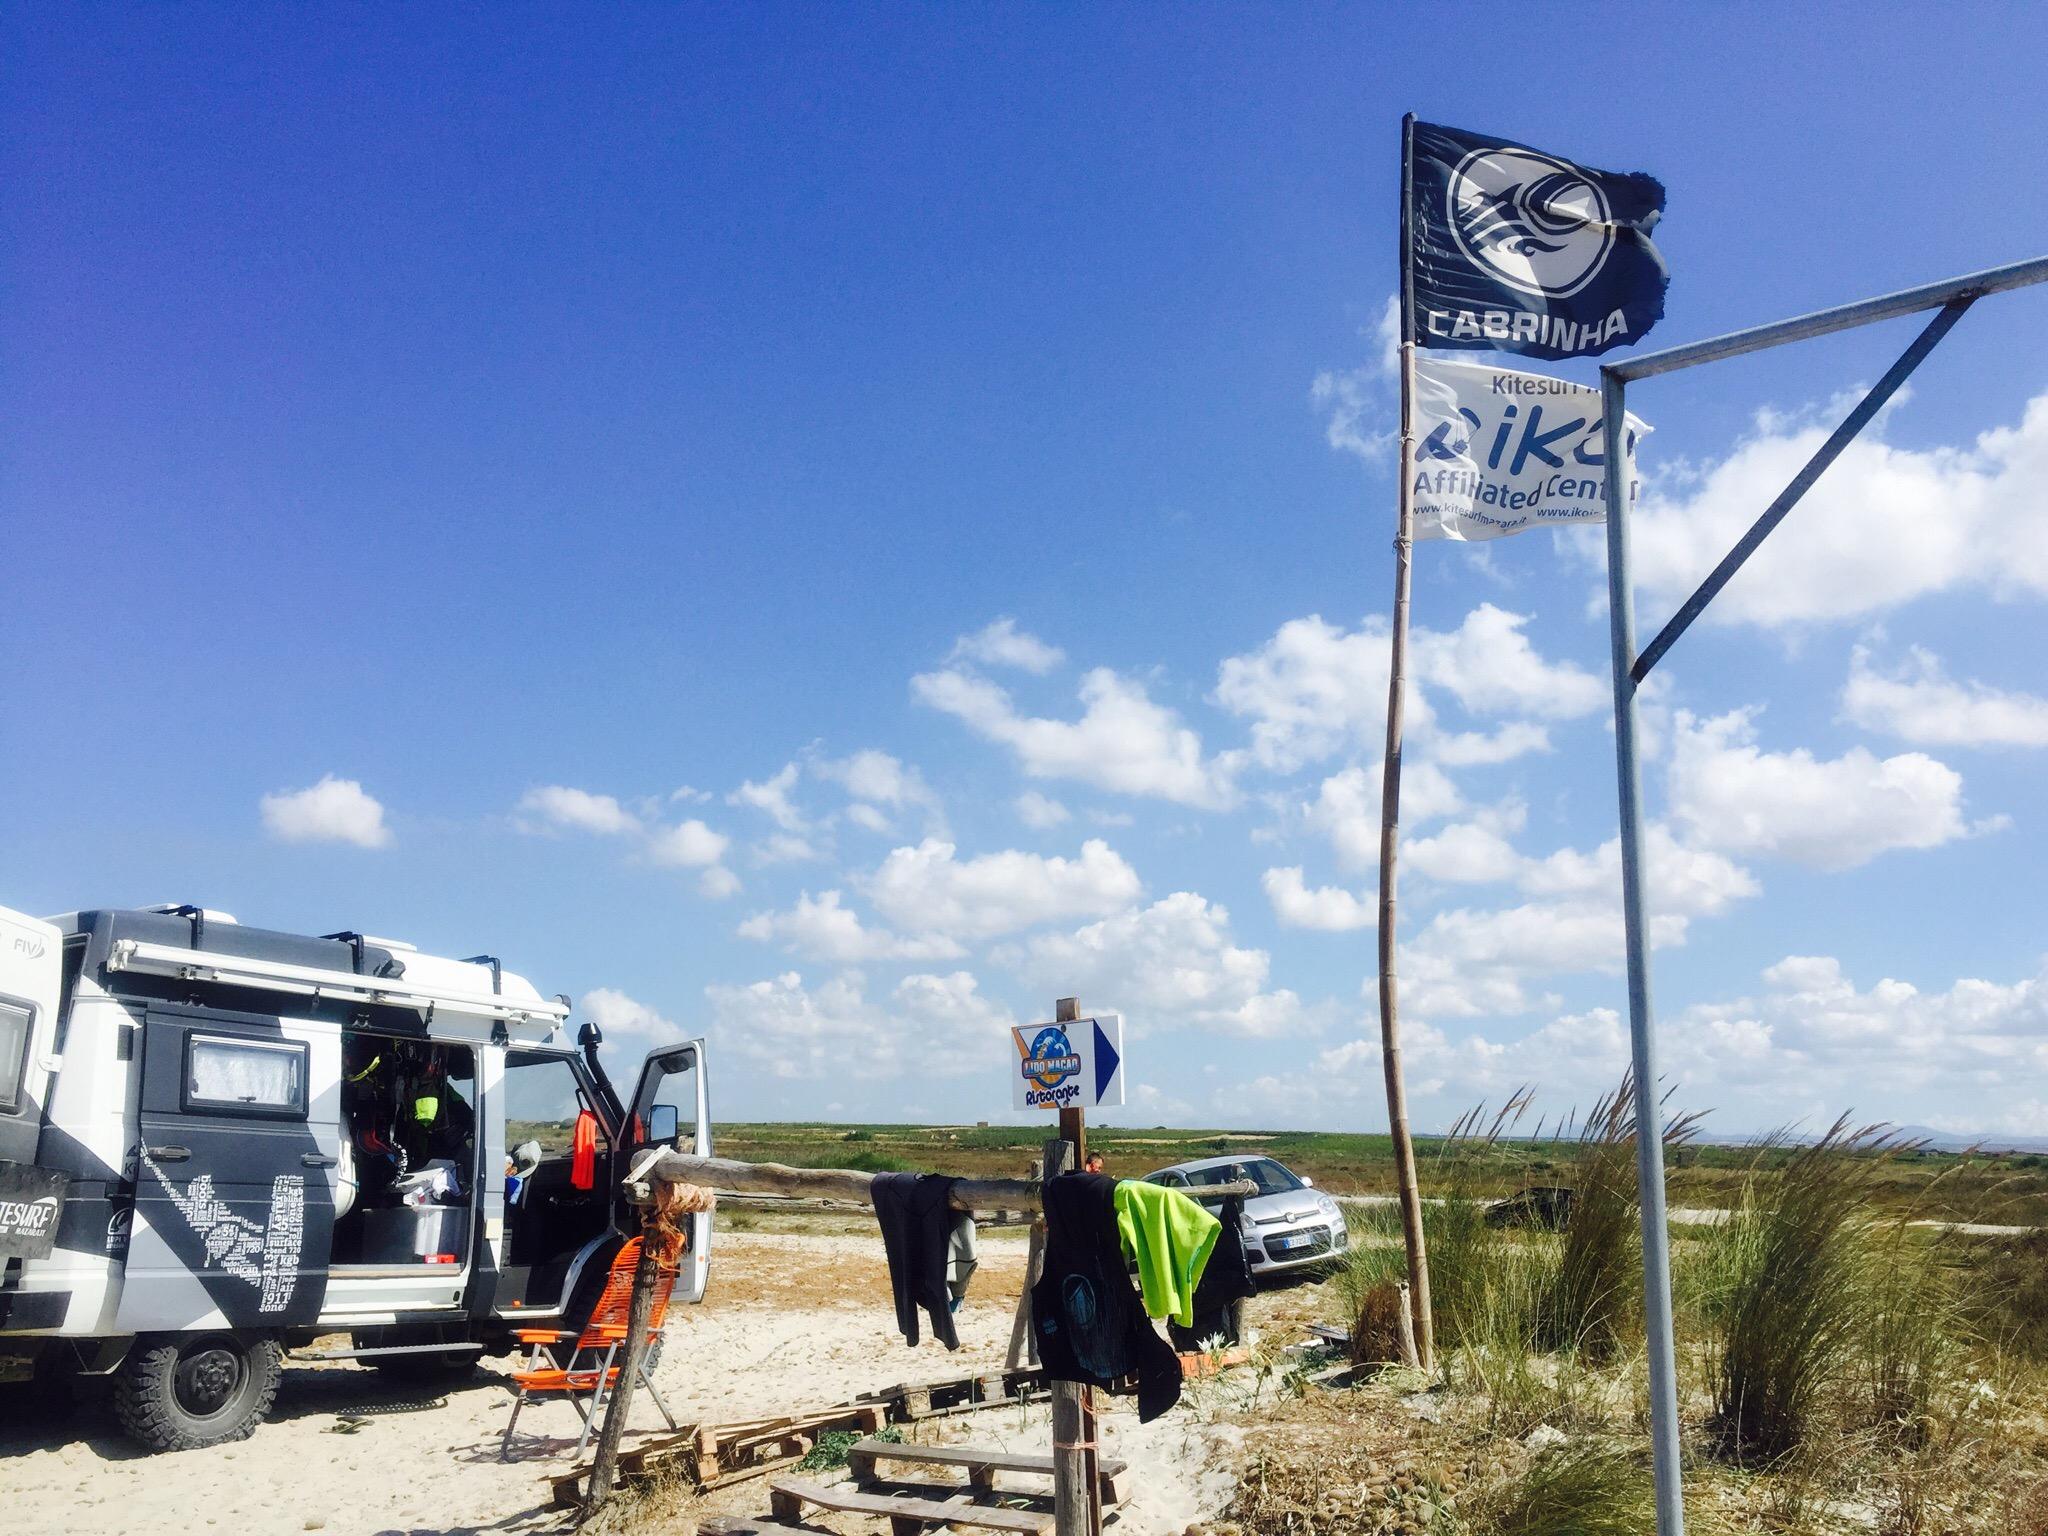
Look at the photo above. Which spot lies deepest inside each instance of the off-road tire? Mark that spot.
(147, 1389)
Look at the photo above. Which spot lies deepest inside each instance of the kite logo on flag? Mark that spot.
(1511, 249)
(1539, 225)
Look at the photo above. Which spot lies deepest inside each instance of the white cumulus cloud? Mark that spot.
(687, 845)
(932, 1026)
(1316, 689)
(1166, 965)
(631, 1028)
(332, 811)
(1324, 908)
(1476, 962)
(718, 882)
(823, 928)
(1489, 666)
(1346, 809)
(1883, 526)
(578, 810)
(1830, 813)
(1003, 644)
(1313, 690)
(1123, 740)
(1041, 812)
(1919, 702)
(929, 889)
(771, 797)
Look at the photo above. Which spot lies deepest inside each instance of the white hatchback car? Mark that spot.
(1288, 1224)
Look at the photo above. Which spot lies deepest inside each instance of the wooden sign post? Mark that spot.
(1076, 1510)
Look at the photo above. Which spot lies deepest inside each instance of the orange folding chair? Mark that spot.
(590, 1372)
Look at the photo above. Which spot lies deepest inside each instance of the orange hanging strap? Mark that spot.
(583, 1152)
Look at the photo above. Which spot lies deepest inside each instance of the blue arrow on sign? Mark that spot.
(1106, 1061)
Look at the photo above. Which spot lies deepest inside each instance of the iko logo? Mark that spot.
(1537, 224)
(1441, 445)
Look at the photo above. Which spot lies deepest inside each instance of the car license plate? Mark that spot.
(1297, 1241)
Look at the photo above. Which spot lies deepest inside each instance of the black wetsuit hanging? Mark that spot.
(1086, 1314)
(1227, 1279)
(916, 1217)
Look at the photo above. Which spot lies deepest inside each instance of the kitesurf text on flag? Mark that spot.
(1513, 250)
(1497, 451)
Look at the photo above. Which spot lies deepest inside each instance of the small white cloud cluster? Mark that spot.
(1123, 741)
(687, 844)
(1315, 690)
(934, 1025)
(1919, 702)
(1169, 964)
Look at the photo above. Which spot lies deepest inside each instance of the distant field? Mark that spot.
(2008, 1189)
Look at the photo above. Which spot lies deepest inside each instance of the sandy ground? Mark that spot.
(792, 1322)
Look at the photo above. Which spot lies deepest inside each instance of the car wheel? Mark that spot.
(188, 1390)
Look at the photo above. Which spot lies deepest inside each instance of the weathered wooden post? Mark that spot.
(1074, 1494)
(604, 1466)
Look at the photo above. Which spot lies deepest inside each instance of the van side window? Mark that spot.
(671, 1080)
(542, 1098)
(15, 1019)
(246, 1076)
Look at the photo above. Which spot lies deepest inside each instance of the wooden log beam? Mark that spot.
(848, 1184)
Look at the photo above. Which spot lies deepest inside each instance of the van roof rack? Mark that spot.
(142, 958)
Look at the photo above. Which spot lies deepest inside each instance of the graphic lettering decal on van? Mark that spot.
(267, 1257)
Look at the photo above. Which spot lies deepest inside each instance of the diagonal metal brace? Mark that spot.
(1828, 452)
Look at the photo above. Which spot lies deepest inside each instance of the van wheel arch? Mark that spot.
(180, 1391)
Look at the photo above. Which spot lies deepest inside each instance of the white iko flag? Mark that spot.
(1497, 451)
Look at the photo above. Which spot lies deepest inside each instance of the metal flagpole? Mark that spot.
(1390, 802)
(1621, 628)
(1952, 298)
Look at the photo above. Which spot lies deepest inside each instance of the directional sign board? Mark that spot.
(1077, 1065)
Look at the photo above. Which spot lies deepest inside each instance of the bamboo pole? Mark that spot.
(1390, 806)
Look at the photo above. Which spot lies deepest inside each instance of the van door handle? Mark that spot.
(316, 1160)
(169, 1154)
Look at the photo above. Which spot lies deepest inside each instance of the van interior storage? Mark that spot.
(410, 1151)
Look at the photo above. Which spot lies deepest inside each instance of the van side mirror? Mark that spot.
(663, 1123)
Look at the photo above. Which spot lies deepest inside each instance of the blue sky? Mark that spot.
(660, 469)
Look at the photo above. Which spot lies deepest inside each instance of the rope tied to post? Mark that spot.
(670, 1205)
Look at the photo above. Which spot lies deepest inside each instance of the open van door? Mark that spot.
(31, 968)
(672, 1107)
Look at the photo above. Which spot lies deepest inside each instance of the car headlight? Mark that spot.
(1329, 1207)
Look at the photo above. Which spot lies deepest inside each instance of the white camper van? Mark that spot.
(220, 1143)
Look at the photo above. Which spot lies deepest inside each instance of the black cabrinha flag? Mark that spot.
(1513, 250)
